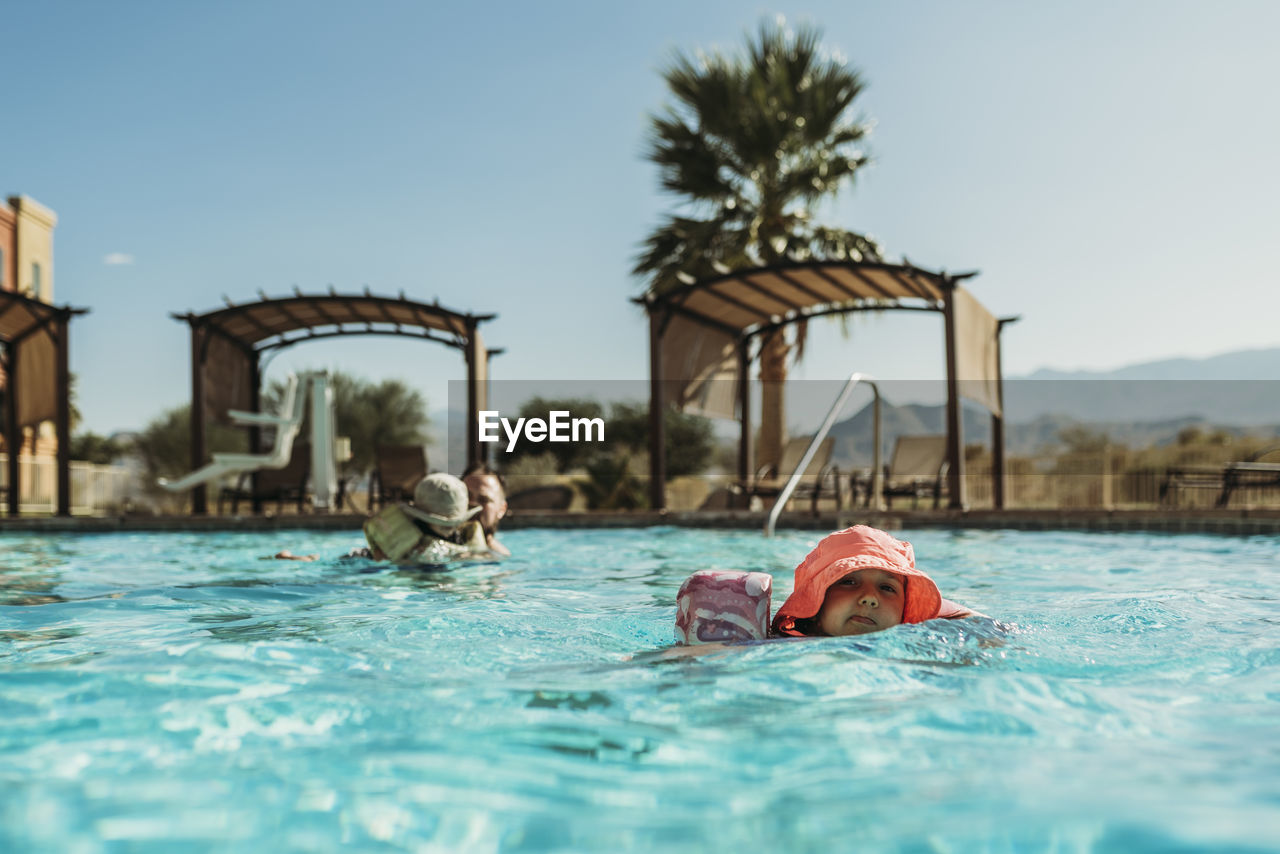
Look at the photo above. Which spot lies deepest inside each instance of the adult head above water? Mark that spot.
(486, 491)
(860, 580)
(440, 500)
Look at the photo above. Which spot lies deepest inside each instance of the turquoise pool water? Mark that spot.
(167, 692)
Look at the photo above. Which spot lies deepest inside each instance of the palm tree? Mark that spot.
(751, 144)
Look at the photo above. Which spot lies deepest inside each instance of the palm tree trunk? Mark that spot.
(773, 378)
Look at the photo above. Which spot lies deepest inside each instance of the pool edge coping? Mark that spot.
(1237, 522)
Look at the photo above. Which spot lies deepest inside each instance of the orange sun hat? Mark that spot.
(859, 547)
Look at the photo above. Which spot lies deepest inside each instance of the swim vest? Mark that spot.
(403, 539)
(862, 547)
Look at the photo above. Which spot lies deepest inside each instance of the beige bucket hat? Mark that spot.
(441, 500)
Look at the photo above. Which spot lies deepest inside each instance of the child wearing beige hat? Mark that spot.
(436, 528)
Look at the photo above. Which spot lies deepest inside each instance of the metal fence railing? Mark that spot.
(1104, 480)
(94, 488)
(1113, 479)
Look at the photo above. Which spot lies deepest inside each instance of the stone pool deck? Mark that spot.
(1231, 522)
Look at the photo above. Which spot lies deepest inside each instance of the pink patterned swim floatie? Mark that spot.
(717, 605)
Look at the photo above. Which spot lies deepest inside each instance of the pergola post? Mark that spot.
(13, 433)
(255, 431)
(486, 448)
(473, 356)
(997, 461)
(199, 497)
(955, 434)
(62, 416)
(997, 424)
(744, 410)
(47, 328)
(657, 426)
(773, 401)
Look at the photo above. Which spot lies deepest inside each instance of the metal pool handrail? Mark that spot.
(827, 423)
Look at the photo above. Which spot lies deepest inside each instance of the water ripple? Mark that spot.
(176, 691)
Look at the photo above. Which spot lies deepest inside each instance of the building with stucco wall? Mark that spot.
(26, 266)
(28, 247)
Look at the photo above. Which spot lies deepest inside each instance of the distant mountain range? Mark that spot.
(1232, 388)
(1041, 434)
(1136, 405)
(1237, 365)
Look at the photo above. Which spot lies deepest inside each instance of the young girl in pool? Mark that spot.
(860, 580)
(856, 581)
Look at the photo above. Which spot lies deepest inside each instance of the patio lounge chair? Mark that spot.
(545, 497)
(396, 472)
(819, 478)
(1250, 474)
(278, 485)
(918, 467)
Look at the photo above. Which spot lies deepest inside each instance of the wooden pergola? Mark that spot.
(700, 345)
(37, 383)
(227, 346)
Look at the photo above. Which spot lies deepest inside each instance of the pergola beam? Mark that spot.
(282, 343)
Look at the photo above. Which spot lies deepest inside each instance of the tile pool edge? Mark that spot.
(1232, 522)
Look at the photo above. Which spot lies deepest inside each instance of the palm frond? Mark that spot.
(750, 144)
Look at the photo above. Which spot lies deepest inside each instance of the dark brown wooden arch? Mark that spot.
(744, 304)
(227, 346)
(37, 384)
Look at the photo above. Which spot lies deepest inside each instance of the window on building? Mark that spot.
(3, 267)
(35, 279)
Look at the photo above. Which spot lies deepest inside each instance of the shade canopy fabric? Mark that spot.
(783, 293)
(229, 371)
(31, 327)
(267, 324)
(977, 352)
(704, 363)
(36, 379)
(480, 374)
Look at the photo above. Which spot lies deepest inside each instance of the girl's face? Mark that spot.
(864, 601)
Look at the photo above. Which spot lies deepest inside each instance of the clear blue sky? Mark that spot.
(1109, 167)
